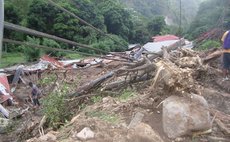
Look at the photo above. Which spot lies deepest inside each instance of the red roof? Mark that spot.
(4, 82)
(53, 61)
(165, 38)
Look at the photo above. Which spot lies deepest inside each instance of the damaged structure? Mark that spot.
(169, 76)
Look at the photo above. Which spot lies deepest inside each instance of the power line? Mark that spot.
(83, 21)
(1, 25)
(40, 34)
(46, 47)
(180, 29)
(56, 49)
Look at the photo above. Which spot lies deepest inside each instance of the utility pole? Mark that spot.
(1, 26)
(180, 28)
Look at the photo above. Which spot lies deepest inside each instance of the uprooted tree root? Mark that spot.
(175, 72)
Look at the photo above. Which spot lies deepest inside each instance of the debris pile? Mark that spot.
(175, 97)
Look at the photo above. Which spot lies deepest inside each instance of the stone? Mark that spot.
(49, 137)
(184, 115)
(136, 120)
(85, 134)
(143, 133)
(3, 125)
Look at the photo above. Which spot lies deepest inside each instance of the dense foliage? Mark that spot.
(166, 8)
(135, 24)
(211, 14)
(108, 16)
(126, 21)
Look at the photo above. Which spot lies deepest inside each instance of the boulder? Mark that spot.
(184, 115)
(85, 134)
(136, 120)
(143, 133)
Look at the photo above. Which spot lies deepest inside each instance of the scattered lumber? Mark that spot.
(222, 127)
(132, 72)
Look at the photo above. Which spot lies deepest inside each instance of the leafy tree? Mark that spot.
(12, 16)
(109, 45)
(157, 25)
(42, 16)
(210, 15)
(31, 54)
(53, 44)
(117, 19)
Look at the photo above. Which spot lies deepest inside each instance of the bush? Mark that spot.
(32, 54)
(116, 44)
(209, 44)
(53, 44)
(56, 108)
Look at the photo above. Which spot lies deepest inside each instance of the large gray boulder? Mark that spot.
(184, 115)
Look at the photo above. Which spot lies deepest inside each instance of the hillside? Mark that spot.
(209, 17)
(167, 8)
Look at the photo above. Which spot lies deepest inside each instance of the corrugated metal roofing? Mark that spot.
(156, 46)
(165, 38)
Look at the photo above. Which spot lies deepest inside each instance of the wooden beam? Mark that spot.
(1, 25)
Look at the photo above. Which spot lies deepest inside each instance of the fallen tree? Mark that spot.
(173, 65)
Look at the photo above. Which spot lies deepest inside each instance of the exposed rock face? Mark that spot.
(183, 115)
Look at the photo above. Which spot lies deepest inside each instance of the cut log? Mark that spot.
(212, 56)
(123, 83)
(131, 68)
(87, 87)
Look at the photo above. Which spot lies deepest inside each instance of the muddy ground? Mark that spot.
(110, 114)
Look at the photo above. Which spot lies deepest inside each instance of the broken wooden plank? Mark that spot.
(222, 127)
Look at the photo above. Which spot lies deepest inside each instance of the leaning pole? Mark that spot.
(1, 25)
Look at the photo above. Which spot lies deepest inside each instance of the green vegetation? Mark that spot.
(47, 80)
(167, 8)
(124, 20)
(96, 99)
(106, 15)
(211, 14)
(9, 59)
(209, 44)
(105, 116)
(74, 56)
(127, 94)
(42, 16)
(55, 107)
(32, 54)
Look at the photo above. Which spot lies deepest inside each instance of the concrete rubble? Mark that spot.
(183, 114)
